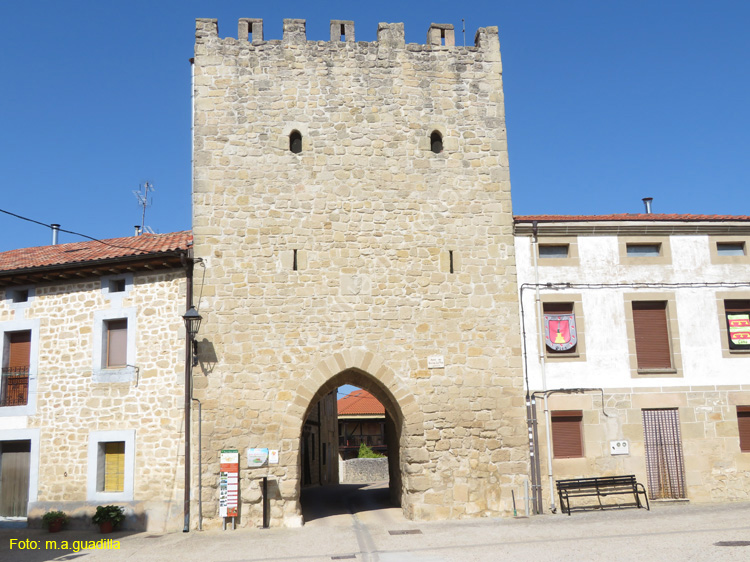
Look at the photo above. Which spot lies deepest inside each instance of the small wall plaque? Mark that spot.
(435, 362)
(619, 448)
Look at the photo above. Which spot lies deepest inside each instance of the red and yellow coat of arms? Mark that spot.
(739, 330)
(560, 331)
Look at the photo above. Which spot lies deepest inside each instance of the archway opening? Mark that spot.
(334, 480)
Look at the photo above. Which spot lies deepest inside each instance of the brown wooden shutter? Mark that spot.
(651, 335)
(20, 350)
(743, 427)
(117, 343)
(567, 435)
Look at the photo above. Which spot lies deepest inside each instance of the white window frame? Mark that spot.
(117, 297)
(96, 438)
(11, 291)
(99, 371)
(22, 326)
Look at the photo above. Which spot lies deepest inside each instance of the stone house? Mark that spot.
(643, 322)
(351, 203)
(91, 398)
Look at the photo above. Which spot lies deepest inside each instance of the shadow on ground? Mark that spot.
(343, 499)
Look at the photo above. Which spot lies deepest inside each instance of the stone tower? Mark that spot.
(351, 203)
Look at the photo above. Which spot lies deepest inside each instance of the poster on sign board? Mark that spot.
(229, 479)
(257, 457)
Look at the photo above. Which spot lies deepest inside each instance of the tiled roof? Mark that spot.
(630, 217)
(91, 251)
(359, 402)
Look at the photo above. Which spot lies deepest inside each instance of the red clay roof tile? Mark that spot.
(630, 217)
(359, 402)
(91, 251)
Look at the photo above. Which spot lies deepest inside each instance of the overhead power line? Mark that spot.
(70, 231)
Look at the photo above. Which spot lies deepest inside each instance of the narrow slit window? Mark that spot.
(442, 37)
(295, 142)
(436, 142)
(450, 261)
(343, 32)
(294, 260)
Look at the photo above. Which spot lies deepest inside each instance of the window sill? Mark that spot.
(653, 373)
(125, 374)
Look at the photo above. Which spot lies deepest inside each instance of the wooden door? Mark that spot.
(15, 457)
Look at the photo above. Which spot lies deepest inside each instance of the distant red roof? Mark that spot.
(359, 402)
(93, 251)
(630, 217)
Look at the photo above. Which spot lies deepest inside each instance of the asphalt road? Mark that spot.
(351, 523)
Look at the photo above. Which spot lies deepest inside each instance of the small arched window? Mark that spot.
(295, 142)
(436, 142)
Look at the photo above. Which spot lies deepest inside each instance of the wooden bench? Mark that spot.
(600, 487)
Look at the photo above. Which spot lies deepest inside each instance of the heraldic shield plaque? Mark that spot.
(560, 331)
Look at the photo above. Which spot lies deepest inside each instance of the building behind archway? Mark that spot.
(342, 240)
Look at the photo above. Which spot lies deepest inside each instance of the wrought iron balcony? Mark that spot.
(14, 386)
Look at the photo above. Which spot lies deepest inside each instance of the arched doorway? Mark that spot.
(319, 444)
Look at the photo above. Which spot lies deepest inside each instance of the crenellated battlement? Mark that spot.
(439, 35)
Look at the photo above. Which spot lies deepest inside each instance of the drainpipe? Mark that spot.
(542, 365)
(188, 391)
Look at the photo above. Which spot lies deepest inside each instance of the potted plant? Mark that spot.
(54, 520)
(108, 517)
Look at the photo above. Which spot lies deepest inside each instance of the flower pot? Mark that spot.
(56, 526)
(106, 527)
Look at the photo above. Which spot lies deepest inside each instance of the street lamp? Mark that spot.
(192, 323)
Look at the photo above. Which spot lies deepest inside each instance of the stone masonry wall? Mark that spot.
(374, 217)
(70, 404)
(361, 471)
(715, 468)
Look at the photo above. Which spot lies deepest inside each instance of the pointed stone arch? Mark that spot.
(368, 370)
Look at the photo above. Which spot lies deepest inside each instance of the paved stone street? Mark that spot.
(354, 525)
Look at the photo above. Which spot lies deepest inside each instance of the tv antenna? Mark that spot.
(144, 201)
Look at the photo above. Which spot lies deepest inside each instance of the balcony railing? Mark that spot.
(14, 386)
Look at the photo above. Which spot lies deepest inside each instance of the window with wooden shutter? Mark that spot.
(567, 434)
(114, 466)
(117, 343)
(743, 427)
(19, 352)
(14, 385)
(651, 335)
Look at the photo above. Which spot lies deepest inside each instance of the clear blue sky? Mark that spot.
(606, 103)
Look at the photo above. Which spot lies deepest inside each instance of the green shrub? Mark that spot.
(113, 513)
(52, 516)
(366, 453)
